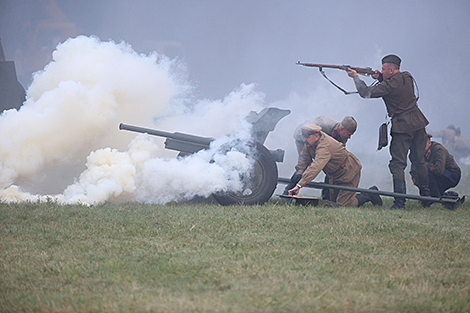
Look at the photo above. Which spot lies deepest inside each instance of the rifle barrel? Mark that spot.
(322, 65)
(360, 70)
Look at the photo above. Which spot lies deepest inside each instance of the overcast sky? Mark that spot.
(226, 43)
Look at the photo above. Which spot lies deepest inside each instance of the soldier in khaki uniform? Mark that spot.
(324, 153)
(408, 123)
(340, 131)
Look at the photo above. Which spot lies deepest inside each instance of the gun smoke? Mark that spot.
(65, 137)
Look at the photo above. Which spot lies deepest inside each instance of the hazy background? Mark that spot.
(224, 44)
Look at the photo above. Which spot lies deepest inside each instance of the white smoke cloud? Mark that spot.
(139, 175)
(72, 113)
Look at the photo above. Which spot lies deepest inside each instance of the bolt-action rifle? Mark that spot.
(366, 71)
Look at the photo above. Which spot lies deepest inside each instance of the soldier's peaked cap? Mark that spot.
(391, 58)
(349, 123)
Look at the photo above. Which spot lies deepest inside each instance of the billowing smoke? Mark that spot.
(66, 133)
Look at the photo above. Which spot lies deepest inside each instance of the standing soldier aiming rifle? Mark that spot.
(408, 123)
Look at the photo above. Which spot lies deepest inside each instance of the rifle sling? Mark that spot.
(344, 91)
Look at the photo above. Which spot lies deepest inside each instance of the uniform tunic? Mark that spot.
(443, 171)
(338, 163)
(408, 122)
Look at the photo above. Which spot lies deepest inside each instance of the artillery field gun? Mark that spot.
(262, 181)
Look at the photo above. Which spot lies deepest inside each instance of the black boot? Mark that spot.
(423, 185)
(450, 195)
(399, 186)
(375, 199)
(325, 192)
(364, 197)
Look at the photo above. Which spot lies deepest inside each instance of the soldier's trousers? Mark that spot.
(440, 183)
(345, 197)
(401, 144)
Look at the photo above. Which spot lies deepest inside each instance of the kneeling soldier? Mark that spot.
(322, 152)
(443, 171)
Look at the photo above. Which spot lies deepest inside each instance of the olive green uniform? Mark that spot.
(408, 122)
(338, 163)
(443, 171)
(438, 159)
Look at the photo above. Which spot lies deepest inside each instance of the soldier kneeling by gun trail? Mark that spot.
(322, 152)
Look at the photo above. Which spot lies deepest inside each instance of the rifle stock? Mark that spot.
(367, 71)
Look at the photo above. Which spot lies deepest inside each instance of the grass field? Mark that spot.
(209, 258)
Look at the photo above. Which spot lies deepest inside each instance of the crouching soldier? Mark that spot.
(340, 131)
(443, 171)
(323, 153)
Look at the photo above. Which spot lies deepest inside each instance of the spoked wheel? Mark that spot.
(259, 184)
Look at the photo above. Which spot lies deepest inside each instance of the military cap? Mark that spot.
(349, 123)
(391, 58)
(310, 129)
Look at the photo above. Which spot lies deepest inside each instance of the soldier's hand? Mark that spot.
(376, 75)
(351, 72)
(294, 191)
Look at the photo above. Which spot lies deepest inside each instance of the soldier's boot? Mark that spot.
(364, 197)
(399, 186)
(325, 192)
(450, 195)
(424, 190)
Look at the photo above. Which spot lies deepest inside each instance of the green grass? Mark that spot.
(208, 258)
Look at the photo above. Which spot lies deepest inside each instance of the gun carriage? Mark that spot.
(260, 183)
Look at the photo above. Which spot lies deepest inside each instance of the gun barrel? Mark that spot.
(322, 65)
(144, 130)
(202, 141)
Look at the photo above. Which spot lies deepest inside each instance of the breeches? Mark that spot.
(344, 197)
(415, 143)
(438, 184)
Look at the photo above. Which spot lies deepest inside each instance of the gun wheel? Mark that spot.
(261, 182)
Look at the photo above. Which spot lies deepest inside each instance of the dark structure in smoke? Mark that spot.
(452, 139)
(12, 93)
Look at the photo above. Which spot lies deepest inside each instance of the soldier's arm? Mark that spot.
(322, 156)
(438, 165)
(303, 162)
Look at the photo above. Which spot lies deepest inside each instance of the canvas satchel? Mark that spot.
(383, 135)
